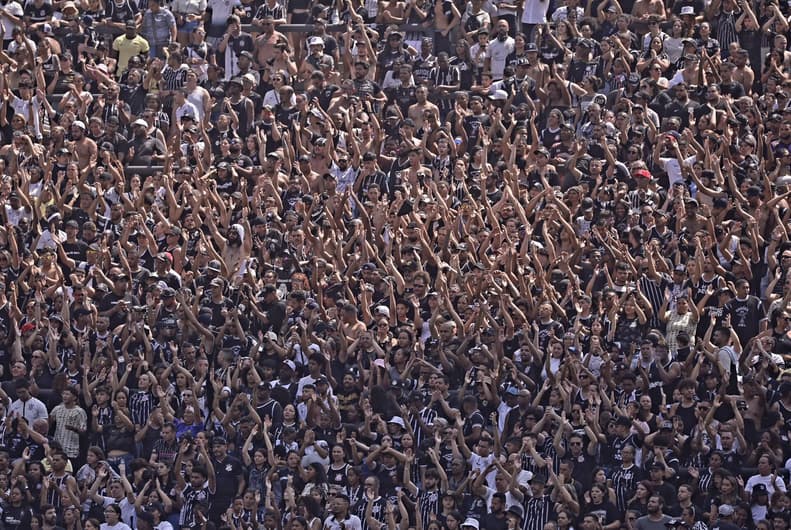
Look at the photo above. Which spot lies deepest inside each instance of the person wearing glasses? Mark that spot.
(112, 518)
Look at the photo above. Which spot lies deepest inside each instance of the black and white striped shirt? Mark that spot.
(141, 403)
(624, 481)
(428, 416)
(277, 12)
(538, 510)
(429, 504)
(192, 498)
(175, 78)
(654, 291)
(377, 511)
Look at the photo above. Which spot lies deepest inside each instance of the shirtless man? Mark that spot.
(235, 248)
(350, 326)
(416, 172)
(265, 49)
(423, 104)
(320, 160)
(84, 147)
(536, 70)
(644, 9)
(743, 73)
(446, 17)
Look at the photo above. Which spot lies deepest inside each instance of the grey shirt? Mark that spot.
(646, 523)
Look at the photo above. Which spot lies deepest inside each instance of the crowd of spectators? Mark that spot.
(430, 265)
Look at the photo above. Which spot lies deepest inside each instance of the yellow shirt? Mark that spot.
(128, 48)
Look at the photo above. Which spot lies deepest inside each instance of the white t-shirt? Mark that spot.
(14, 9)
(478, 463)
(221, 10)
(673, 168)
(498, 53)
(13, 46)
(116, 526)
(352, 522)
(534, 12)
(778, 485)
(188, 109)
(22, 107)
(510, 500)
(127, 511)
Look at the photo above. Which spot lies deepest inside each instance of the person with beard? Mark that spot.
(241, 163)
(499, 50)
(235, 248)
(85, 148)
(339, 517)
(133, 95)
(143, 149)
(292, 194)
(782, 145)
(655, 519)
(113, 141)
(714, 102)
(366, 89)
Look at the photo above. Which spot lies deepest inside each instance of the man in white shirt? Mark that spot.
(339, 515)
(183, 107)
(27, 406)
(10, 15)
(767, 477)
(499, 49)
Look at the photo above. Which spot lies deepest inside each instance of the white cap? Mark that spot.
(314, 348)
(138, 122)
(499, 95)
(398, 420)
(290, 364)
(79, 124)
(315, 41)
(382, 310)
(271, 335)
(473, 523)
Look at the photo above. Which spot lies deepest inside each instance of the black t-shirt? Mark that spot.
(606, 512)
(745, 316)
(228, 474)
(16, 518)
(38, 14)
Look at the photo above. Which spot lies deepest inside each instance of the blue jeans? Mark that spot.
(115, 461)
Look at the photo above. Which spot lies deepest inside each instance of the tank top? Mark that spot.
(241, 111)
(196, 98)
(54, 496)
